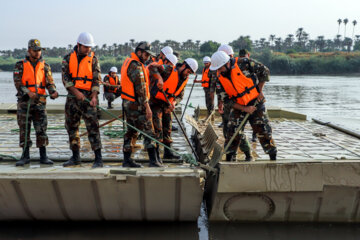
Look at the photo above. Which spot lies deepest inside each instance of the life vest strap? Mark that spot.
(246, 91)
(34, 85)
(132, 97)
(85, 79)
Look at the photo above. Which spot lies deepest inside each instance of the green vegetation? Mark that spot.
(296, 54)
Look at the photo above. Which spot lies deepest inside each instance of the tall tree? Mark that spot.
(354, 24)
(345, 22)
(339, 22)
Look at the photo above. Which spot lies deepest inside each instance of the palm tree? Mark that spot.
(345, 22)
(299, 33)
(132, 42)
(272, 38)
(339, 22)
(354, 23)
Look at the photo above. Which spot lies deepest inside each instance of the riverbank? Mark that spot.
(328, 63)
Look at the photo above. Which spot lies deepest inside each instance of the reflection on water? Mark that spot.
(176, 231)
(98, 230)
(284, 231)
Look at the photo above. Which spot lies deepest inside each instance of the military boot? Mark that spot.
(248, 156)
(230, 157)
(109, 105)
(129, 162)
(152, 158)
(74, 160)
(272, 156)
(98, 163)
(43, 157)
(168, 154)
(25, 158)
(254, 137)
(157, 150)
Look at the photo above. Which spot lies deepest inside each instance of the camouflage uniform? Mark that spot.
(162, 117)
(110, 96)
(75, 109)
(210, 90)
(37, 111)
(135, 112)
(259, 119)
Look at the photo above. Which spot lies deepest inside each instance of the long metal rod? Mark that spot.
(341, 129)
(182, 116)
(182, 129)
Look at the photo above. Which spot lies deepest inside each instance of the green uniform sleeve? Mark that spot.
(17, 75)
(96, 75)
(137, 77)
(65, 73)
(50, 85)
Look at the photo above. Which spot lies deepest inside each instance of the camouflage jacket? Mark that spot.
(107, 88)
(251, 69)
(22, 90)
(67, 79)
(137, 77)
(165, 72)
(212, 80)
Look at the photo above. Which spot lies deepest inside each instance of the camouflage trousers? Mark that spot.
(74, 110)
(110, 97)
(38, 116)
(162, 119)
(244, 142)
(260, 124)
(209, 100)
(136, 116)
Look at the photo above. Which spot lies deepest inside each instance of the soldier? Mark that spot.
(81, 77)
(241, 95)
(112, 88)
(175, 79)
(31, 76)
(208, 85)
(135, 95)
(226, 106)
(256, 70)
(159, 59)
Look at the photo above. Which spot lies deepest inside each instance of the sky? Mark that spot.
(59, 22)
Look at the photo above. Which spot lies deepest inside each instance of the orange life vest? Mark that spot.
(34, 79)
(205, 80)
(113, 81)
(127, 86)
(239, 87)
(81, 73)
(160, 62)
(170, 87)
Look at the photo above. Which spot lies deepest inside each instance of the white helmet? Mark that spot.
(113, 69)
(226, 48)
(192, 64)
(172, 58)
(86, 39)
(218, 60)
(206, 59)
(167, 50)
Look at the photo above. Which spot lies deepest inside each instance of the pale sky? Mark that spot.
(58, 23)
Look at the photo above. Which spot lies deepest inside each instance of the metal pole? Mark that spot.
(182, 116)
(182, 129)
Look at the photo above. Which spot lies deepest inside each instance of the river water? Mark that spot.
(330, 98)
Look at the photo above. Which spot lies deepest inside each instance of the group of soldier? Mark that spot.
(150, 87)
